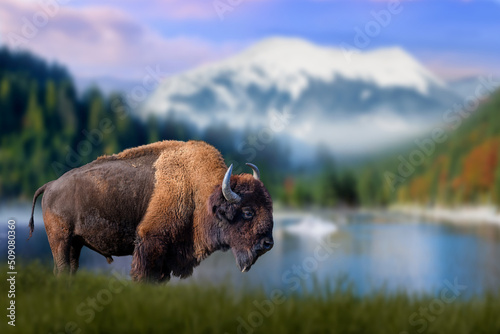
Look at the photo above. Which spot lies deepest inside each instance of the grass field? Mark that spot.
(89, 303)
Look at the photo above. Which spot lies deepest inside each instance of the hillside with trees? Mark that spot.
(42, 118)
(462, 167)
(47, 128)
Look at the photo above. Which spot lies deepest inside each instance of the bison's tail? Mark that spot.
(37, 193)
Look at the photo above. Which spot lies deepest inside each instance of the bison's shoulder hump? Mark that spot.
(153, 149)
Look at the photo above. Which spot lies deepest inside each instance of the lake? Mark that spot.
(366, 251)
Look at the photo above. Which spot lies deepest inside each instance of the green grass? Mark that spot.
(46, 304)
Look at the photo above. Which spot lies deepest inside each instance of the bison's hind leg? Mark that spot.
(61, 250)
(74, 254)
(60, 241)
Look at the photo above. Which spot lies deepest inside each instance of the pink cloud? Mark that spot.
(173, 9)
(180, 9)
(101, 41)
(197, 9)
(454, 72)
(452, 65)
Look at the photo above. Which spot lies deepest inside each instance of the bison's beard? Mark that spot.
(244, 259)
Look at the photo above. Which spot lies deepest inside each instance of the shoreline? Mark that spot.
(465, 215)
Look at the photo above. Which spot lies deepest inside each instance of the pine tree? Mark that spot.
(153, 132)
(33, 123)
(6, 112)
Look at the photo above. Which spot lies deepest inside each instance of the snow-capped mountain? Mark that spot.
(321, 87)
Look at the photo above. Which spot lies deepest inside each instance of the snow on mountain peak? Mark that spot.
(289, 64)
(319, 84)
(290, 59)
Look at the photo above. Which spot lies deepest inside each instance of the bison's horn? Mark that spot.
(229, 195)
(256, 172)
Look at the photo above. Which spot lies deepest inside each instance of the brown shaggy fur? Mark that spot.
(162, 203)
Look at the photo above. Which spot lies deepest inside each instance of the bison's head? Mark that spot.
(243, 210)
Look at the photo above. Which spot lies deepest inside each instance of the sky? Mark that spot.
(123, 38)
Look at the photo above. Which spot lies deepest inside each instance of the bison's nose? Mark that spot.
(264, 245)
(267, 244)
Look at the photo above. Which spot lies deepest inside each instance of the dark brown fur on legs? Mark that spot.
(74, 254)
(148, 263)
(155, 258)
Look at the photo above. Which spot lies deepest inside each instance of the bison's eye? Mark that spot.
(247, 213)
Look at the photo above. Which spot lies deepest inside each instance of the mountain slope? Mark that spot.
(461, 167)
(318, 85)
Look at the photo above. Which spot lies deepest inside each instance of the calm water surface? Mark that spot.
(393, 253)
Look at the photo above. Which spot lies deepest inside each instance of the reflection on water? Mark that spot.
(395, 254)
(311, 227)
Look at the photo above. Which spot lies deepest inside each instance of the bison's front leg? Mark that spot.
(148, 262)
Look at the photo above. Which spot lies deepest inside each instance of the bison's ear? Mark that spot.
(220, 207)
(226, 212)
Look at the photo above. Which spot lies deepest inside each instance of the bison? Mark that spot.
(170, 204)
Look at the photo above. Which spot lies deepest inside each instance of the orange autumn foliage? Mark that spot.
(419, 189)
(480, 166)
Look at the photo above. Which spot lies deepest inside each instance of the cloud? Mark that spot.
(174, 9)
(453, 65)
(119, 38)
(168, 9)
(101, 40)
